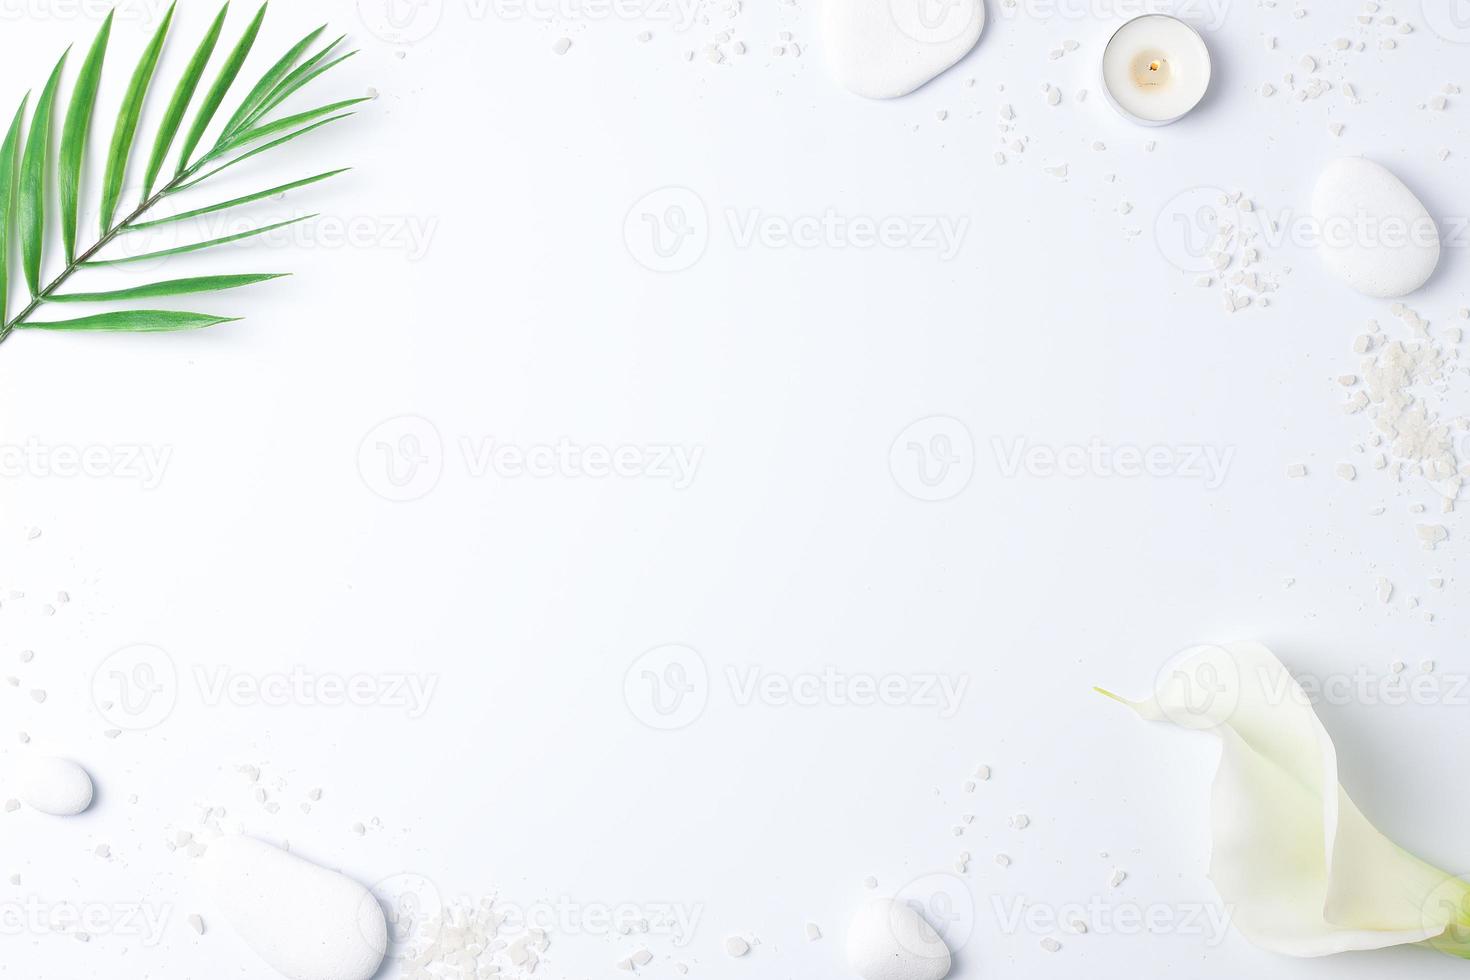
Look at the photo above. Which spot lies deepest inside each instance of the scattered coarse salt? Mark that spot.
(813, 932)
(1051, 945)
(1117, 878)
(561, 45)
(736, 947)
(196, 922)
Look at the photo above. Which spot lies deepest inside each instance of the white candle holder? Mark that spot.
(1155, 69)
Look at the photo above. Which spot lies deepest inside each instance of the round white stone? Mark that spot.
(882, 49)
(59, 787)
(1373, 233)
(306, 922)
(888, 940)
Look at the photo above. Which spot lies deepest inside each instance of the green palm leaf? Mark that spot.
(133, 321)
(27, 167)
(236, 202)
(270, 79)
(199, 246)
(289, 122)
(260, 149)
(127, 123)
(32, 203)
(290, 85)
(74, 137)
(9, 176)
(170, 287)
(173, 117)
(216, 93)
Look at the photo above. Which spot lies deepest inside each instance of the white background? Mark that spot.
(525, 318)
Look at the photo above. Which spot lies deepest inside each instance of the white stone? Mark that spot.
(882, 49)
(888, 940)
(1375, 235)
(306, 922)
(59, 787)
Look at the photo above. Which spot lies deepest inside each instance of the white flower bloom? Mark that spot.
(1303, 871)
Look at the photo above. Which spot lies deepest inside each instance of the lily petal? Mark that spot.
(1303, 871)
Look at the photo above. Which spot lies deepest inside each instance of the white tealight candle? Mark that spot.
(1155, 69)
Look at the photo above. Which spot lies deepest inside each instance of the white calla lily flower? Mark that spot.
(1303, 871)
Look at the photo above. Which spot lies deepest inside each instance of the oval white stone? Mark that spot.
(888, 940)
(308, 923)
(1374, 234)
(59, 787)
(882, 49)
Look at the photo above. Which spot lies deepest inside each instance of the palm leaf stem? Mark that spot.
(76, 263)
